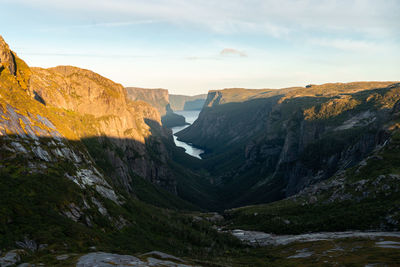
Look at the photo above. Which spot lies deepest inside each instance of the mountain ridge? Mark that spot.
(273, 142)
(85, 168)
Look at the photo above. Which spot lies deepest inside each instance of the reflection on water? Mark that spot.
(190, 116)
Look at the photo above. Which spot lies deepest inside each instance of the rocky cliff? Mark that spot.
(365, 197)
(158, 98)
(121, 126)
(7, 58)
(277, 142)
(184, 102)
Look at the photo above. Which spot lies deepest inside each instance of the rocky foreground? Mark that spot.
(103, 259)
(255, 238)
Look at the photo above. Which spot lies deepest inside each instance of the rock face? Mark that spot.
(108, 259)
(7, 59)
(79, 90)
(10, 259)
(158, 98)
(123, 127)
(39, 143)
(184, 102)
(277, 142)
(255, 238)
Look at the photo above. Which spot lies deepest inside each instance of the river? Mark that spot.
(190, 117)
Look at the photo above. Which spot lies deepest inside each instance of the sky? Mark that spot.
(192, 46)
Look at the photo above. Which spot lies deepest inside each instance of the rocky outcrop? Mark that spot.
(7, 59)
(184, 102)
(290, 138)
(154, 258)
(172, 119)
(79, 90)
(261, 239)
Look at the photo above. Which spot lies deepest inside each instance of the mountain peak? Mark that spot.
(7, 59)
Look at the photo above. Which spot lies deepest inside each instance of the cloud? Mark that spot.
(232, 52)
(275, 18)
(98, 25)
(347, 44)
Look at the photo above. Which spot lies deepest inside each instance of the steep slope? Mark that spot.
(364, 197)
(276, 142)
(124, 137)
(158, 98)
(57, 196)
(184, 102)
(123, 128)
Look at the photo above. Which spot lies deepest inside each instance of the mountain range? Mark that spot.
(88, 165)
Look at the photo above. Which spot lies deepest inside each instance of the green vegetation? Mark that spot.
(32, 205)
(275, 141)
(365, 202)
(260, 142)
(341, 252)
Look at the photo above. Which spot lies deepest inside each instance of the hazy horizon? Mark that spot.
(191, 47)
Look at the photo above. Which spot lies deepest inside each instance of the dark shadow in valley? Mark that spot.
(250, 158)
(253, 158)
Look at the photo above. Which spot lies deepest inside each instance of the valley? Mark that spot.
(94, 172)
(190, 117)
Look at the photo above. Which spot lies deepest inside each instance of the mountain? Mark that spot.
(122, 128)
(277, 142)
(184, 102)
(85, 171)
(79, 163)
(158, 98)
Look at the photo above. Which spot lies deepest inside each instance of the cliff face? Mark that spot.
(121, 126)
(184, 102)
(363, 197)
(7, 59)
(158, 98)
(276, 142)
(45, 170)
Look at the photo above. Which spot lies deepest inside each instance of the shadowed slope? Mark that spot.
(276, 142)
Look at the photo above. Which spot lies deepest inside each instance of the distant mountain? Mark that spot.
(158, 98)
(183, 102)
(277, 142)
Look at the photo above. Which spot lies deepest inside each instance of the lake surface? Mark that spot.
(190, 116)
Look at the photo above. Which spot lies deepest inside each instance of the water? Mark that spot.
(190, 116)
